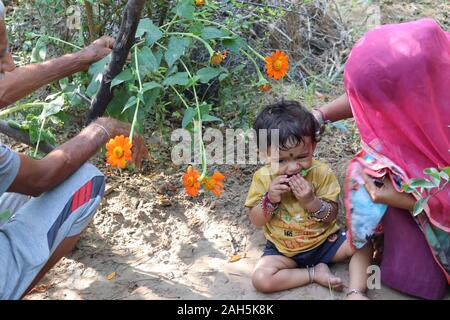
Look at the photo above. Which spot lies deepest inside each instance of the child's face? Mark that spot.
(292, 160)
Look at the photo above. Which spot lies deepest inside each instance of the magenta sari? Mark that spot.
(397, 79)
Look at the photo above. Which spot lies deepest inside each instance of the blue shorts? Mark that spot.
(323, 253)
(38, 225)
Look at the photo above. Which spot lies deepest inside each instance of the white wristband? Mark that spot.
(104, 129)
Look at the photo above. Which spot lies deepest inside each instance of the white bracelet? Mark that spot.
(104, 129)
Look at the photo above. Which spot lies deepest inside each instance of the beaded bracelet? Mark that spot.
(323, 206)
(267, 206)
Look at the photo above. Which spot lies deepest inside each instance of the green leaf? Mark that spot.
(130, 103)
(96, 71)
(99, 66)
(234, 44)
(407, 188)
(53, 107)
(120, 98)
(419, 206)
(39, 52)
(223, 76)
(208, 73)
(185, 9)
(147, 61)
(152, 32)
(445, 173)
(177, 47)
(93, 86)
(196, 28)
(143, 26)
(150, 96)
(180, 78)
(208, 117)
(14, 124)
(419, 182)
(434, 175)
(189, 114)
(204, 109)
(125, 75)
(213, 33)
(150, 85)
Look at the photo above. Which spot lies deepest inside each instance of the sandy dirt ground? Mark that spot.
(149, 241)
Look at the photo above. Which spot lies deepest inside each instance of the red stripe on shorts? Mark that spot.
(81, 196)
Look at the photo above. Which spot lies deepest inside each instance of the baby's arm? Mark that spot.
(257, 216)
(276, 188)
(304, 193)
(323, 216)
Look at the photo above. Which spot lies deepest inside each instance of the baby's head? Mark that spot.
(296, 136)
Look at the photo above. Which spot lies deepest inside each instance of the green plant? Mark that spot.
(424, 188)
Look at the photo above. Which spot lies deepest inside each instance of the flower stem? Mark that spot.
(39, 138)
(59, 40)
(20, 107)
(200, 135)
(180, 96)
(260, 76)
(139, 96)
(206, 44)
(233, 33)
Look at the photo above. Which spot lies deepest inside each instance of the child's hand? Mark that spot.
(302, 190)
(277, 187)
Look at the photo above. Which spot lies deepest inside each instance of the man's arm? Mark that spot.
(38, 176)
(22, 81)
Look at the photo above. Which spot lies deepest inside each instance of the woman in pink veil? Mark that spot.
(397, 83)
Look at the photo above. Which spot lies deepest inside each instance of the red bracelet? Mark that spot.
(267, 206)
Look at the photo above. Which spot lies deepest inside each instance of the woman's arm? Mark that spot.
(337, 109)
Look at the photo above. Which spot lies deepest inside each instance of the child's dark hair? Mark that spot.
(292, 119)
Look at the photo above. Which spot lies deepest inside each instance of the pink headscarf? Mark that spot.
(397, 79)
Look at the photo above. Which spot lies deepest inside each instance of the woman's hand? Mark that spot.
(387, 194)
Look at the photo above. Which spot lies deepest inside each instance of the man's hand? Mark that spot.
(387, 194)
(302, 190)
(97, 49)
(117, 128)
(277, 187)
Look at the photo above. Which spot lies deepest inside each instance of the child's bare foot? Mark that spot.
(324, 277)
(356, 295)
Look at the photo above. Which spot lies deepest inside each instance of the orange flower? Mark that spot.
(213, 183)
(190, 181)
(119, 151)
(199, 2)
(265, 87)
(277, 65)
(218, 57)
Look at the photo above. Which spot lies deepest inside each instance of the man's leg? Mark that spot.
(66, 246)
(46, 228)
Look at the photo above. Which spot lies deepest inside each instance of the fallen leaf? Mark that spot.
(235, 258)
(111, 276)
(40, 288)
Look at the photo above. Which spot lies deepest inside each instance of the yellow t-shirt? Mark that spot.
(290, 228)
